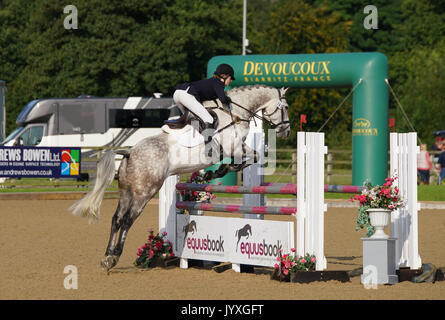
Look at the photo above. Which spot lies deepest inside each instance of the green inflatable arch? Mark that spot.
(366, 71)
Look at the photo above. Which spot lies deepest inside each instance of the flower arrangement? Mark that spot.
(156, 247)
(289, 264)
(198, 196)
(383, 197)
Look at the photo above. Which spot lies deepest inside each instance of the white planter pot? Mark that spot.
(379, 219)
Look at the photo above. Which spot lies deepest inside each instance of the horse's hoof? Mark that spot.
(108, 262)
(208, 175)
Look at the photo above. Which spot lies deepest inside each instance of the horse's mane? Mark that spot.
(248, 87)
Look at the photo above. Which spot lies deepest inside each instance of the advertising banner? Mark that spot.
(241, 241)
(39, 162)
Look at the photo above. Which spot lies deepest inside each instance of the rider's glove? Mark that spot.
(227, 106)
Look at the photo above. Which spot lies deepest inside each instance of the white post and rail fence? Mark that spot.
(257, 241)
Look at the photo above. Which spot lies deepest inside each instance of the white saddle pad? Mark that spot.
(188, 136)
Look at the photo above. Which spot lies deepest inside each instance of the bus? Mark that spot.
(88, 121)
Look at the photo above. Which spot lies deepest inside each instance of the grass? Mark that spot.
(432, 192)
(47, 185)
(424, 193)
(53, 189)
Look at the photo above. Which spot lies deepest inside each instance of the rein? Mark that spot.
(253, 115)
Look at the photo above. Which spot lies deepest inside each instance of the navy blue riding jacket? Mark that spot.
(207, 89)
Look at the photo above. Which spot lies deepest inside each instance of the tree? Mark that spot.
(422, 95)
(389, 15)
(299, 27)
(121, 48)
(423, 23)
(415, 70)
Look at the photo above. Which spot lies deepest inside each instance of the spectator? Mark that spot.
(437, 144)
(424, 165)
(441, 163)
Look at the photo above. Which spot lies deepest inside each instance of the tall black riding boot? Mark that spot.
(210, 132)
(208, 137)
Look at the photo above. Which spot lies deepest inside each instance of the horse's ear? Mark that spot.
(283, 90)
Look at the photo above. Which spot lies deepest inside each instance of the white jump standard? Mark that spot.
(309, 217)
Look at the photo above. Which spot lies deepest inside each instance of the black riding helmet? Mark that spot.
(225, 69)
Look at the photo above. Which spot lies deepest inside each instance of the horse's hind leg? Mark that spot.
(123, 207)
(137, 206)
(132, 212)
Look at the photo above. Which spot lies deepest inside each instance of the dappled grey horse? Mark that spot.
(145, 166)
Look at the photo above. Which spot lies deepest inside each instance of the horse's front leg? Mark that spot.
(247, 155)
(218, 173)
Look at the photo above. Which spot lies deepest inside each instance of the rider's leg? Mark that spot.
(183, 98)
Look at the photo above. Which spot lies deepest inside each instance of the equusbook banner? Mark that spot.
(242, 241)
(39, 162)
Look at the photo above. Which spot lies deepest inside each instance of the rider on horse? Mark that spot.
(191, 94)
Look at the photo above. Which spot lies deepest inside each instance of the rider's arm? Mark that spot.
(219, 89)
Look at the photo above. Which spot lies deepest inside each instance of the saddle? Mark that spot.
(188, 117)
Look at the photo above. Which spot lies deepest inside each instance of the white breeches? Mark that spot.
(183, 99)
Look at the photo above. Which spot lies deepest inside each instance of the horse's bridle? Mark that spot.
(279, 106)
(235, 119)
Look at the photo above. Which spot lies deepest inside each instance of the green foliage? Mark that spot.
(423, 23)
(416, 71)
(409, 33)
(299, 27)
(422, 95)
(121, 48)
(362, 39)
(137, 47)
(431, 192)
(363, 221)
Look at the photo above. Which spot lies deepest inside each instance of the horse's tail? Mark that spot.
(89, 205)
